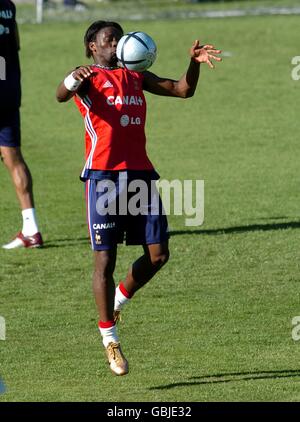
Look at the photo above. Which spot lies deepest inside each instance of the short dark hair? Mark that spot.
(93, 30)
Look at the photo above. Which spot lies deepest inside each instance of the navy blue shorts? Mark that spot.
(10, 135)
(117, 210)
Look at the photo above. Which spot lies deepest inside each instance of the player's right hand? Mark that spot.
(204, 53)
(83, 72)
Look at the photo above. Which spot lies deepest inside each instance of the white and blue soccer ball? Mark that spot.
(136, 51)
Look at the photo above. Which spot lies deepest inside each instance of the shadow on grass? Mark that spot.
(63, 243)
(241, 229)
(231, 377)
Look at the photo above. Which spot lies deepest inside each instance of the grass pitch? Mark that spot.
(215, 323)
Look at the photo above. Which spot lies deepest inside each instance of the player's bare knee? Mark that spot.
(104, 266)
(12, 157)
(4, 158)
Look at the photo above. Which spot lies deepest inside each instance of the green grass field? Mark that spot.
(141, 9)
(215, 324)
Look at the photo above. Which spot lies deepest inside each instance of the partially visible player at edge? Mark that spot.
(115, 148)
(10, 150)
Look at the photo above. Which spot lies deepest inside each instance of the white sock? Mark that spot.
(109, 335)
(29, 222)
(120, 299)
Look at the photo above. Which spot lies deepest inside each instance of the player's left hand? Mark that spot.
(204, 53)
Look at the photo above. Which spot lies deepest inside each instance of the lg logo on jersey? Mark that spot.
(126, 120)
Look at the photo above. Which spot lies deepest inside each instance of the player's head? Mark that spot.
(101, 40)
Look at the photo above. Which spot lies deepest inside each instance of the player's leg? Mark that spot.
(103, 283)
(29, 236)
(151, 231)
(13, 159)
(20, 174)
(143, 269)
(104, 233)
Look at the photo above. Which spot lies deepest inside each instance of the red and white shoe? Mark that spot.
(21, 241)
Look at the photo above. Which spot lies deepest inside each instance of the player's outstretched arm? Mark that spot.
(186, 85)
(74, 83)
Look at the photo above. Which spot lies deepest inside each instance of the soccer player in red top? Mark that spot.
(10, 133)
(111, 101)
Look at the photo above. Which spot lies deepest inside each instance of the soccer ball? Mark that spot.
(136, 51)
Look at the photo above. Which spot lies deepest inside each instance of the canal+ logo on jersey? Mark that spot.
(131, 100)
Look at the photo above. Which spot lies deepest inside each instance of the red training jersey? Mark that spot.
(114, 112)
